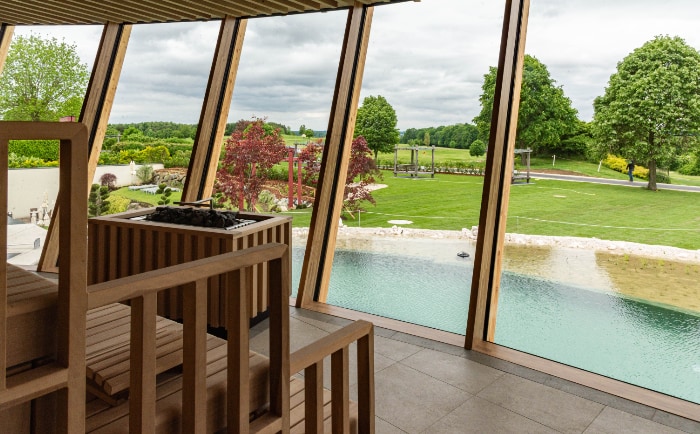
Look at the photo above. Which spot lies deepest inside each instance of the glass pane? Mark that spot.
(602, 273)
(400, 257)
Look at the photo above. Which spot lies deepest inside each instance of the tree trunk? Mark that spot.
(652, 175)
(652, 165)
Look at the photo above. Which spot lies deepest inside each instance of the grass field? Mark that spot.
(139, 196)
(544, 207)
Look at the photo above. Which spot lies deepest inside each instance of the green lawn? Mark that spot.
(545, 207)
(139, 196)
(442, 156)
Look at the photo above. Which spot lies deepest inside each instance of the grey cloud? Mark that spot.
(427, 58)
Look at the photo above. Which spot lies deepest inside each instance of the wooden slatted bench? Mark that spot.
(108, 358)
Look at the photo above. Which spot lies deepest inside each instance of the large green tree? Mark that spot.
(43, 80)
(651, 105)
(545, 118)
(376, 122)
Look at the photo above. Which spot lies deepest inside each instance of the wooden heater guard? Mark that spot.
(119, 246)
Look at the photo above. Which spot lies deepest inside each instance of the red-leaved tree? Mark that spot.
(361, 172)
(249, 155)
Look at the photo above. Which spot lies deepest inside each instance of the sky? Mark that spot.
(427, 58)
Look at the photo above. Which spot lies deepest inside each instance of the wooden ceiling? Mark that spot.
(37, 12)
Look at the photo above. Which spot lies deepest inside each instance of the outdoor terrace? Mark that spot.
(424, 386)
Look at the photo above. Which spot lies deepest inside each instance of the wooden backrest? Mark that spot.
(66, 375)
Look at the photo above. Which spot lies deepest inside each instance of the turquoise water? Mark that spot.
(649, 345)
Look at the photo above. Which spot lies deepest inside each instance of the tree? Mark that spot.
(545, 116)
(477, 148)
(43, 80)
(362, 171)
(651, 104)
(376, 122)
(97, 200)
(249, 154)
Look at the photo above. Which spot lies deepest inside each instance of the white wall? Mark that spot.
(28, 188)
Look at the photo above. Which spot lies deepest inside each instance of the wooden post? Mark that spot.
(97, 106)
(320, 249)
(72, 282)
(217, 102)
(6, 32)
(290, 173)
(483, 302)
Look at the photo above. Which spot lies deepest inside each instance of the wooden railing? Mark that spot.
(336, 345)
(142, 291)
(66, 375)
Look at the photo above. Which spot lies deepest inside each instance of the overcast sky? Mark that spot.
(426, 58)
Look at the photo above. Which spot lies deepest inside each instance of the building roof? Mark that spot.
(54, 12)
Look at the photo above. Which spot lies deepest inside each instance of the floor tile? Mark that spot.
(459, 372)
(613, 421)
(393, 349)
(383, 427)
(677, 422)
(559, 410)
(480, 416)
(411, 400)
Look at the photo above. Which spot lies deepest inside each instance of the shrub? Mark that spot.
(118, 204)
(97, 201)
(144, 174)
(477, 148)
(155, 154)
(46, 150)
(619, 164)
(165, 193)
(109, 157)
(179, 159)
(109, 180)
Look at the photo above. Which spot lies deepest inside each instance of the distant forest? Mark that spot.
(164, 130)
(458, 136)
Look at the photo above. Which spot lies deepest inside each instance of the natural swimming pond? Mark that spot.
(650, 345)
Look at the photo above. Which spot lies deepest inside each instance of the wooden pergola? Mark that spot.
(118, 18)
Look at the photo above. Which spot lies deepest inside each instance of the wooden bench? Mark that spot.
(108, 334)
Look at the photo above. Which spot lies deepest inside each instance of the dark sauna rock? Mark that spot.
(208, 218)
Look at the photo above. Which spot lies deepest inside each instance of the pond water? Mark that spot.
(649, 344)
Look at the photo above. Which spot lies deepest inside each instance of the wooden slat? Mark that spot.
(142, 390)
(194, 364)
(32, 384)
(34, 12)
(313, 382)
(494, 201)
(279, 339)
(328, 202)
(365, 383)
(238, 382)
(215, 108)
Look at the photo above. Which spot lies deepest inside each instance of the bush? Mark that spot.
(477, 148)
(179, 159)
(144, 174)
(118, 204)
(109, 180)
(46, 150)
(23, 162)
(619, 164)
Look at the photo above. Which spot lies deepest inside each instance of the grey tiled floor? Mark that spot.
(423, 386)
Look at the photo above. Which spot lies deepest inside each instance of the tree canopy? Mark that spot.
(376, 122)
(43, 80)
(249, 155)
(459, 136)
(545, 118)
(651, 106)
